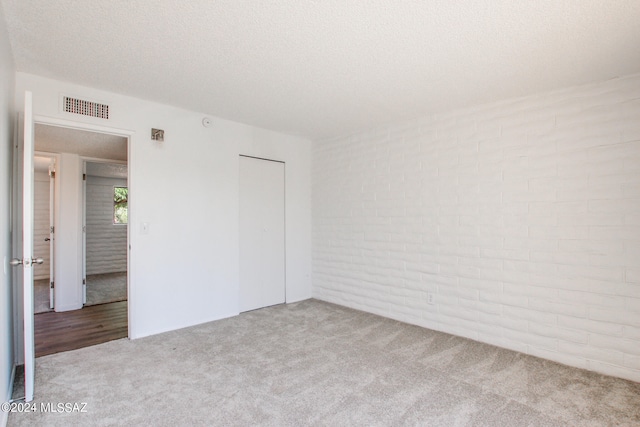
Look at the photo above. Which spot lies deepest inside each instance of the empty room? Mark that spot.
(321, 212)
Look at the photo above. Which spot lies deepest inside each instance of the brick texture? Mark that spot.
(515, 223)
(106, 241)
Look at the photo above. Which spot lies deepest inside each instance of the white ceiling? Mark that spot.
(41, 164)
(55, 139)
(325, 68)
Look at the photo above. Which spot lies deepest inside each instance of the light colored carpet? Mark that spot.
(105, 288)
(314, 363)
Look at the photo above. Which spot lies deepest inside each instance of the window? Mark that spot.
(120, 206)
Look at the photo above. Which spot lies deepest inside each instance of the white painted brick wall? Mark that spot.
(521, 217)
(106, 241)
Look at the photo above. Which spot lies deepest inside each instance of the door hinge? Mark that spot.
(84, 281)
(84, 228)
(84, 176)
(52, 174)
(52, 286)
(51, 229)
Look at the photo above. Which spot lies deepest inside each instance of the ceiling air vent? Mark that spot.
(86, 108)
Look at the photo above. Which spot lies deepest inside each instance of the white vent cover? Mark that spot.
(86, 108)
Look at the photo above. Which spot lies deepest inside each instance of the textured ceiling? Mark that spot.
(54, 139)
(325, 68)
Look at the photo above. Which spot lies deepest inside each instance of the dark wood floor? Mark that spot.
(70, 330)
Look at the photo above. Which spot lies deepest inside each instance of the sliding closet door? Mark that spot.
(262, 247)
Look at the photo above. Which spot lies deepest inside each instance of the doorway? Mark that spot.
(86, 163)
(262, 233)
(105, 223)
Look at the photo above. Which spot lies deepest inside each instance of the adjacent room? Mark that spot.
(320, 213)
(80, 189)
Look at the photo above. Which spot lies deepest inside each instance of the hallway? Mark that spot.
(70, 330)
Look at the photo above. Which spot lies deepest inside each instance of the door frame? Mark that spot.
(53, 185)
(128, 134)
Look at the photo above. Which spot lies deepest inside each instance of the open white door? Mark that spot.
(27, 249)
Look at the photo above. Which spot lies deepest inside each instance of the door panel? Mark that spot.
(262, 233)
(27, 248)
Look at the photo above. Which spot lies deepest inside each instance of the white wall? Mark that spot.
(67, 292)
(521, 218)
(7, 117)
(184, 271)
(106, 241)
